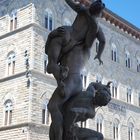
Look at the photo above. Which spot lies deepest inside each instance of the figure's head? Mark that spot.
(102, 93)
(96, 7)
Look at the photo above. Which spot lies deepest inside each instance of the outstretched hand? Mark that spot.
(100, 61)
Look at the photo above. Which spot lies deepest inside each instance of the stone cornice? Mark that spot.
(16, 31)
(128, 106)
(121, 23)
(22, 29)
(12, 77)
(20, 125)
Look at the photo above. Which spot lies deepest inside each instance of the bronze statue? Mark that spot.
(68, 49)
(81, 108)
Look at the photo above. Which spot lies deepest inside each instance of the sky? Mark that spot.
(127, 9)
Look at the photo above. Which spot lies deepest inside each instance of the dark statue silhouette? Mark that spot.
(81, 108)
(68, 49)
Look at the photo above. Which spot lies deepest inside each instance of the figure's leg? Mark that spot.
(54, 107)
(54, 52)
(53, 55)
(73, 84)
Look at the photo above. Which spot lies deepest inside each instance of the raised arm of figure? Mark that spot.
(75, 5)
(101, 38)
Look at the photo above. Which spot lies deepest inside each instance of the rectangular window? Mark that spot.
(112, 91)
(13, 68)
(10, 116)
(115, 56)
(129, 63)
(114, 134)
(9, 67)
(6, 118)
(117, 133)
(46, 22)
(11, 24)
(130, 135)
(97, 47)
(99, 126)
(15, 23)
(129, 95)
(45, 66)
(50, 23)
(43, 116)
(112, 54)
(138, 67)
(115, 92)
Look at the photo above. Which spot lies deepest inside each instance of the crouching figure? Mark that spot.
(81, 108)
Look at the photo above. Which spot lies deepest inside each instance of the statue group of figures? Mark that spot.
(68, 49)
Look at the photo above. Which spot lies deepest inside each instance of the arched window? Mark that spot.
(45, 114)
(99, 123)
(127, 59)
(138, 64)
(130, 131)
(11, 63)
(8, 112)
(129, 95)
(114, 89)
(116, 129)
(114, 53)
(49, 20)
(66, 22)
(13, 20)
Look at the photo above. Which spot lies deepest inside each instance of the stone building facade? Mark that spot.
(25, 87)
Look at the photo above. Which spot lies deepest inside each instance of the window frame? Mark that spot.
(129, 95)
(49, 22)
(46, 120)
(13, 20)
(8, 111)
(116, 127)
(131, 131)
(114, 54)
(11, 62)
(99, 123)
(114, 90)
(128, 62)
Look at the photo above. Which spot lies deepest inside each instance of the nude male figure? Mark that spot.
(84, 30)
(81, 35)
